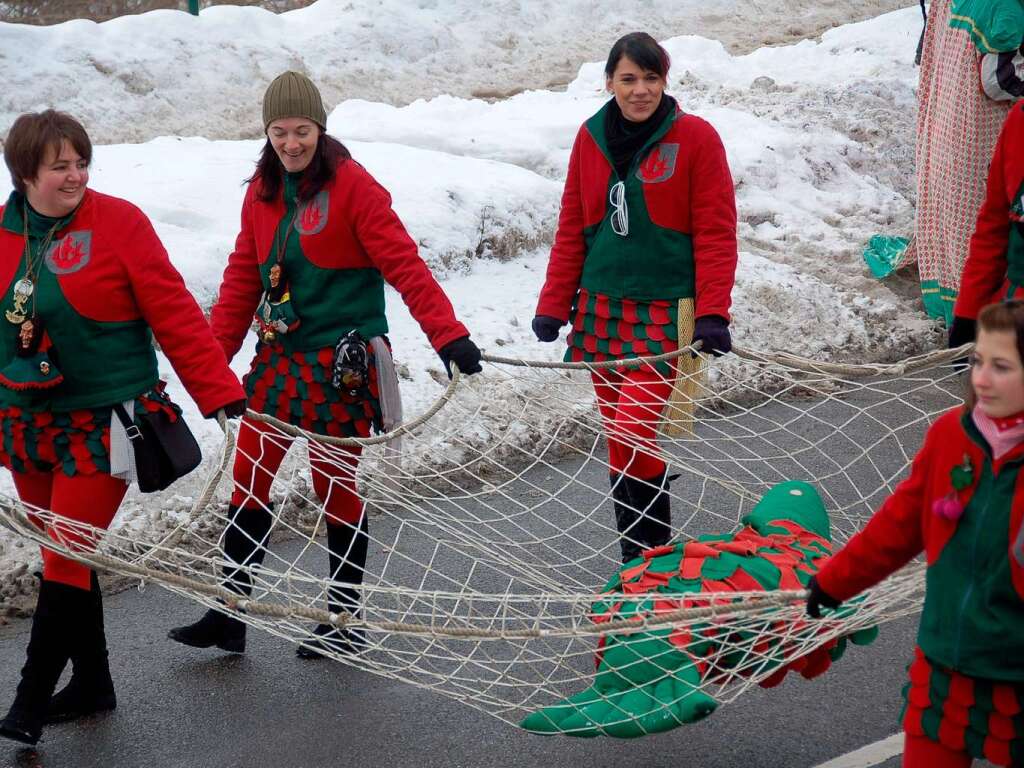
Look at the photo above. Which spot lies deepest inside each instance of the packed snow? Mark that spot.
(168, 73)
(819, 136)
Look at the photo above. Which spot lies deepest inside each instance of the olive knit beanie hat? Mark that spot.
(292, 94)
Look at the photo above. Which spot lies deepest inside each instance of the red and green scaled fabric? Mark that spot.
(994, 269)
(681, 239)
(606, 328)
(297, 389)
(983, 718)
(651, 681)
(73, 442)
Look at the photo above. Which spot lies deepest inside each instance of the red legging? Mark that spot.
(922, 752)
(262, 448)
(631, 403)
(91, 499)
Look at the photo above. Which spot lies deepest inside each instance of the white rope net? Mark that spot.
(492, 538)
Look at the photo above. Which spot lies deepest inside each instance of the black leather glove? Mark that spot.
(546, 327)
(818, 599)
(713, 330)
(464, 353)
(961, 332)
(233, 410)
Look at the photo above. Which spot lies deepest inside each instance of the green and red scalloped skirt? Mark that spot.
(606, 328)
(75, 442)
(296, 388)
(983, 718)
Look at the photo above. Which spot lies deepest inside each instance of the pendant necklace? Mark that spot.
(25, 288)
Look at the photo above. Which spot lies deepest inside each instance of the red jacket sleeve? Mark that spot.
(240, 287)
(985, 268)
(393, 252)
(890, 540)
(565, 266)
(713, 213)
(177, 321)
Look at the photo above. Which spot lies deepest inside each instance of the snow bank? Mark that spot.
(168, 73)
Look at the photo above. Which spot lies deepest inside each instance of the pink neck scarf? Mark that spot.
(1001, 441)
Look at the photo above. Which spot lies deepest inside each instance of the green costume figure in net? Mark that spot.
(651, 681)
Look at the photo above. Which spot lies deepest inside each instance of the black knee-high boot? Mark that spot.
(54, 630)
(627, 519)
(653, 505)
(346, 557)
(90, 689)
(245, 540)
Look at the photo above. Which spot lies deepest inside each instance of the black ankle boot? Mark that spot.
(54, 628)
(213, 629)
(627, 520)
(245, 541)
(90, 690)
(346, 557)
(653, 505)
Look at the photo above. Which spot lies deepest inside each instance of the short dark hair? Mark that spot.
(33, 134)
(1003, 316)
(329, 153)
(643, 50)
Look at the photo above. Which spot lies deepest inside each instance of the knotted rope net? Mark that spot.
(493, 571)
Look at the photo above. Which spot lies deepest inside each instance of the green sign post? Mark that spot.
(193, 7)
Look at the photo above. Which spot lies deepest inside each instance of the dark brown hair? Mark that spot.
(643, 50)
(33, 134)
(329, 153)
(1004, 316)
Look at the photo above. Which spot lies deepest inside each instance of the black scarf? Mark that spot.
(625, 138)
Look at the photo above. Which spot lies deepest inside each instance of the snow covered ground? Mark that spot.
(819, 136)
(167, 73)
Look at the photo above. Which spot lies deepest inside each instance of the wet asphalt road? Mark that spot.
(186, 707)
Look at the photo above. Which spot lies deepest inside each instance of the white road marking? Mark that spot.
(872, 754)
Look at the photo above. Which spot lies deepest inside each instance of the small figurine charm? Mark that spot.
(350, 371)
(275, 314)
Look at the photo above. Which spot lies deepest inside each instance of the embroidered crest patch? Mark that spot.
(70, 253)
(659, 165)
(312, 216)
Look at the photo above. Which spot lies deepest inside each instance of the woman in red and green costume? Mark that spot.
(994, 269)
(86, 285)
(963, 507)
(647, 227)
(318, 241)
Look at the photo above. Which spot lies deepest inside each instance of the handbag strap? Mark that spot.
(127, 422)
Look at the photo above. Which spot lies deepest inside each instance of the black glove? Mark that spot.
(546, 327)
(232, 410)
(818, 599)
(961, 332)
(713, 330)
(464, 353)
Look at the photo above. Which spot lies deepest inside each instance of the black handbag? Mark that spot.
(164, 450)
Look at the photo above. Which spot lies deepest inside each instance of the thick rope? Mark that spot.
(404, 428)
(739, 605)
(785, 359)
